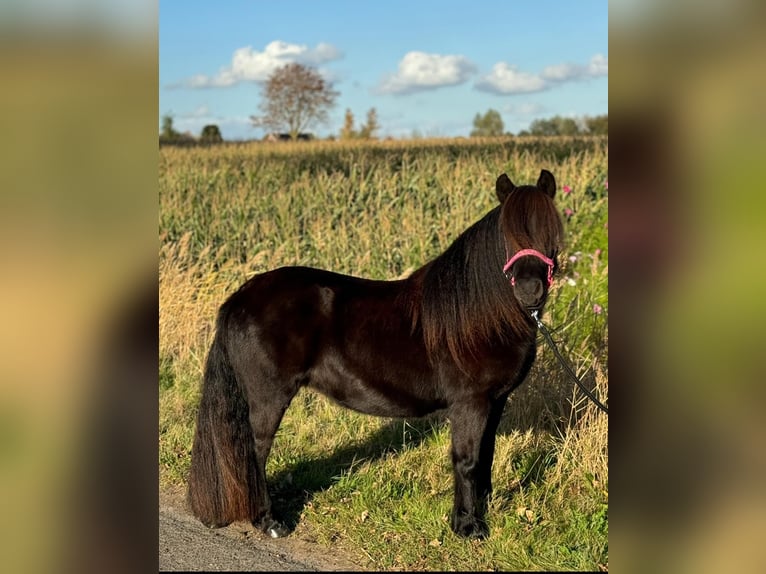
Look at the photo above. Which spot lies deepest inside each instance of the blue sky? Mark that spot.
(424, 66)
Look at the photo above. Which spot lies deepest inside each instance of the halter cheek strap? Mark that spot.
(533, 253)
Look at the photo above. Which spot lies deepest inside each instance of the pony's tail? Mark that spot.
(221, 478)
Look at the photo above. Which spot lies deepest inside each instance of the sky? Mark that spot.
(427, 67)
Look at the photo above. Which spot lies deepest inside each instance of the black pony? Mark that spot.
(455, 335)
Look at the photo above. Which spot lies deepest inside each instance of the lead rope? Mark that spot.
(566, 366)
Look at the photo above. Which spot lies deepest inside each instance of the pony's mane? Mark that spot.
(465, 301)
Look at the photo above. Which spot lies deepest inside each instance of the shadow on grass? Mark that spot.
(293, 487)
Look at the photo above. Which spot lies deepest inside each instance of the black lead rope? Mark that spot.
(563, 362)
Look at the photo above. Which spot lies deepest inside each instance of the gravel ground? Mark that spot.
(188, 545)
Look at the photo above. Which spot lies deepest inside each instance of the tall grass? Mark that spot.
(382, 488)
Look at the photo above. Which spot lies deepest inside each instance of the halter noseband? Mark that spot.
(534, 253)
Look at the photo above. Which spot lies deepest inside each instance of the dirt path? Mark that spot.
(187, 545)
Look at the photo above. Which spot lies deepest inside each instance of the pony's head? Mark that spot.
(532, 232)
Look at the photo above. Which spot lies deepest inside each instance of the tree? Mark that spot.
(543, 127)
(294, 98)
(368, 129)
(568, 127)
(168, 133)
(488, 125)
(555, 126)
(348, 132)
(598, 125)
(211, 135)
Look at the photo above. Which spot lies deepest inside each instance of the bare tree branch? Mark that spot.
(294, 98)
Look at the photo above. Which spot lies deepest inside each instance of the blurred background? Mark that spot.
(687, 287)
(78, 286)
(78, 298)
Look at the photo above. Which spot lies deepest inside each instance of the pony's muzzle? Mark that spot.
(530, 292)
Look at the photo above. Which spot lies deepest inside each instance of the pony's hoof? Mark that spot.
(470, 528)
(276, 530)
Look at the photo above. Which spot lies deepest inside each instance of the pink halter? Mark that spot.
(534, 253)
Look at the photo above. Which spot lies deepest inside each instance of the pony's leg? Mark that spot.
(468, 422)
(266, 412)
(487, 452)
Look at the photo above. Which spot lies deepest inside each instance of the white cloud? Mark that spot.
(419, 71)
(563, 72)
(321, 54)
(598, 66)
(507, 79)
(248, 65)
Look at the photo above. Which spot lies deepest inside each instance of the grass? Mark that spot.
(381, 488)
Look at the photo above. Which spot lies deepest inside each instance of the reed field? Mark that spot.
(381, 489)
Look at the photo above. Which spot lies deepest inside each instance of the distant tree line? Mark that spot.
(491, 124)
(211, 134)
(561, 126)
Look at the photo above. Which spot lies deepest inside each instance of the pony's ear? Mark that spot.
(547, 183)
(503, 187)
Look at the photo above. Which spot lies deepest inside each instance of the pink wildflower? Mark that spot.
(597, 309)
(567, 190)
(606, 184)
(568, 212)
(598, 252)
